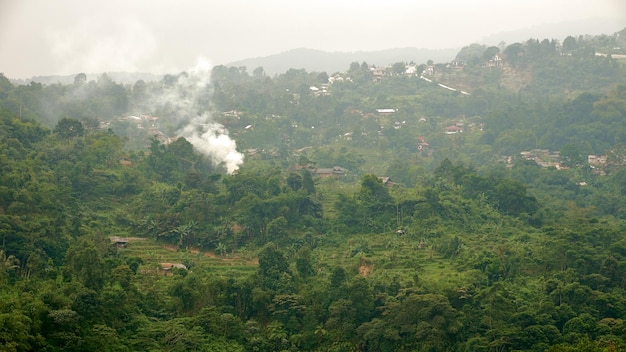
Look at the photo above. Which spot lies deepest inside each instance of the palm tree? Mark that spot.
(320, 332)
(224, 227)
(7, 263)
(276, 333)
(184, 231)
(221, 248)
(153, 227)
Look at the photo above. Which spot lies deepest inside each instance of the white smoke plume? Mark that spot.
(213, 140)
(187, 101)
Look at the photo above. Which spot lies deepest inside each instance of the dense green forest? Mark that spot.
(478, 205)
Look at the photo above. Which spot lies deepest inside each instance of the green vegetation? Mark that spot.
(362, 218)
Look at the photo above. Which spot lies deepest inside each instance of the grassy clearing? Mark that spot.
(389, 257)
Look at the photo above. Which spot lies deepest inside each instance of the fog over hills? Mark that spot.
(309, 59)
(119, 77)
(560, 31)
(315, 60)
(318, 60)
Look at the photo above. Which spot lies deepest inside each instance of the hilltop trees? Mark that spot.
(360, 73)
(473, 54)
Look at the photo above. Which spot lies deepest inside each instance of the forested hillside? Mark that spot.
(477, 205)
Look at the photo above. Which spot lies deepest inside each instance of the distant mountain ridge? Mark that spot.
(314, 60)
(322, 61)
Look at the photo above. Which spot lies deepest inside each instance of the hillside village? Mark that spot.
(385, 116)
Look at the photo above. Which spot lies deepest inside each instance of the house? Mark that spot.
(232, 113)
(122, 242)
(378, 73)
(543, 157)
(386, 111)
(428, 71)
(338, 77)
(537, 155)
(119, 242)
(453, 129)
(457, 64)
(495, 61)
(323, 91)
(386, 181)
(168, 267)
(422, 145)
(336, 172)
(596, 160)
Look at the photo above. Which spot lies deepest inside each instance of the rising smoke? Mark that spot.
(186, 100)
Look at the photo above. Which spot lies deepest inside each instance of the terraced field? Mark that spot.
(155, 254)
(386, 257)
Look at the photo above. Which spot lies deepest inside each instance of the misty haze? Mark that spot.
(323, 176)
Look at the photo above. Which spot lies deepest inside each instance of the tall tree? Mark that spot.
(272, 264)
(68, 128)
(85, 262)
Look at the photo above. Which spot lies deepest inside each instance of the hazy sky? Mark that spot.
(43, 37)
